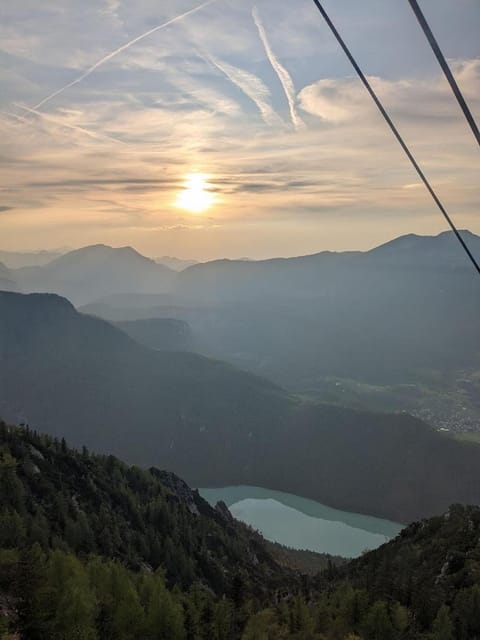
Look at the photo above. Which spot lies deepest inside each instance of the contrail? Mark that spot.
(251, 86)
(49, 118)
(124, 47)
(283, 75)
(13, 116)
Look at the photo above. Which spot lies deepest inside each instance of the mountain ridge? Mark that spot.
(90, 272)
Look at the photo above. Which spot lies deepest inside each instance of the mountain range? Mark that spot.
(80, 377)
(394, 328)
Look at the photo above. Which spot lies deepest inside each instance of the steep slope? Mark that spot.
(92, 548)
(424, 585)
(83, 378)
(80, 377)
(427, 566)
(97, 504)
(89, 273)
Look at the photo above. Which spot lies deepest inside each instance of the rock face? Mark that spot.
(222, 508)
(180, 489)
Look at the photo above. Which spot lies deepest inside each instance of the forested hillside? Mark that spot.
(423, 585)
(89, 504)
(91, 548)
(89, 543)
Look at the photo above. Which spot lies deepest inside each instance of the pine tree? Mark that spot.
(378, 625)
(442, 626)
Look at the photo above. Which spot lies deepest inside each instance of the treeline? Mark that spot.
(346, 613)
(56, 596)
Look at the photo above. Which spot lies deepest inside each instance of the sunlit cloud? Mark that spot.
(67, 125)
(283, 75)
(251, 86)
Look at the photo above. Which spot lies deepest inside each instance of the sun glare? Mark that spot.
(195, 196)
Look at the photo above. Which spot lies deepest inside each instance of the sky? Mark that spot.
(232, 129)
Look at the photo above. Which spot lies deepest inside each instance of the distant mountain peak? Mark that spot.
(102, 249)
(91, 272)
(441, 247)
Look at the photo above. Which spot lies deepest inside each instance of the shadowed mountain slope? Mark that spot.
(79, 377)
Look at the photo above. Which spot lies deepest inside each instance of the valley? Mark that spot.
(410, 344)
(75, 375)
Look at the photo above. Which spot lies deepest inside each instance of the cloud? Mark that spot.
(252, 87)
(428, 102)
(4, 208)
(93, 182)
(121, 49)
(62, 123)
(283, 75)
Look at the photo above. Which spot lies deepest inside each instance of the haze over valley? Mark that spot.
(392, 329)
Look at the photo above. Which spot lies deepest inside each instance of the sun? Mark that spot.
(196, 196)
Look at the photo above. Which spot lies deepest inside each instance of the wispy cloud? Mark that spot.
(283, 75)
(251, 86)
(13, 116)
(73, 127)
(121, 49)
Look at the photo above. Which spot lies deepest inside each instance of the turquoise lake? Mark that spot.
(304, 524)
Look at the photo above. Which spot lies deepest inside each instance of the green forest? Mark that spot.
(91, 548)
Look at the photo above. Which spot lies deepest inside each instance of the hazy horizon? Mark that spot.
(157, 256)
